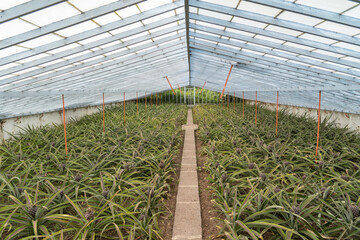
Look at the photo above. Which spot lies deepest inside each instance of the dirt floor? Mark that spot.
(209, 212)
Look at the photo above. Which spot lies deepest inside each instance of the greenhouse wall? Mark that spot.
(13, 126)
(352, 121)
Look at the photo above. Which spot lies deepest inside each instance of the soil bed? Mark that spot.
(209, 213)
(166, 220)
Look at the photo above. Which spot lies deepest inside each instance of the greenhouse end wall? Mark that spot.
(349, 120)
(13, 126)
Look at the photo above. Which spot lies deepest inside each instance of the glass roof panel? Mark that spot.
(240, 32)
(352, 59)
(317, 38)
(328, 53)
(9, 4)
(228, 3)
(95, 38)
(78, 28)
(299, 46)
(126, 28)
(354, 12)
(41, 41)
(269, 39)
(86, 5)
(335, 27)
(283, 30)
(77, 54)
(11, 50)
(257, 8)
(9, 65)
(348, 46)
(147, 5)
(64, 48)
(249, 22)
(215, 14)
(158, 17)
(328, 5)
(108, 18)
(14, 27)
(38, 56)
(127, 12)
(296, 17)
(51, 14)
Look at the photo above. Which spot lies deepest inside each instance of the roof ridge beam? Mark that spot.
(310, 11)
(275, 21)
(186, 6)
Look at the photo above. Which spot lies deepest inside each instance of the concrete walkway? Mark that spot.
(187, 223)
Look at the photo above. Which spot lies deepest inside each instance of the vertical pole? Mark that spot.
(124, 109)
(137, 104)
(145, 101)
(227, 79)
(243, 100)
(184, 95)
(228, 100)
(194, 95)
(104, 113)
(156, 99)
(277, 112)
(66, 150)
(255, 107)
(234, 100)
(318, 128)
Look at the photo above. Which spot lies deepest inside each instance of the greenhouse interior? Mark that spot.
(180, 119)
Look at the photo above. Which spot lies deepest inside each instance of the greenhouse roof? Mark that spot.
(83, 48)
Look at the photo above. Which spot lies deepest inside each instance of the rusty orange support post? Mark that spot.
(180, 89)
(255, 107)
(202, 87)
(277, 112)
(243, 104)
(318, 128)
(227, 79)
(156, 99)
(170, 85)
(137, 104)
(103, 113)
(124, 109)
(66, 149)
(234, 100)
(145, 102)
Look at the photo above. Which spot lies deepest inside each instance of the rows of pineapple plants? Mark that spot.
(270, 187)
(110, 186)
(202, 96)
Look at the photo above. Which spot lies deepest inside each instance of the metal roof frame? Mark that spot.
(190, 41)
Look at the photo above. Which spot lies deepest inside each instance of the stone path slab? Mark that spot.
(187, 222)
